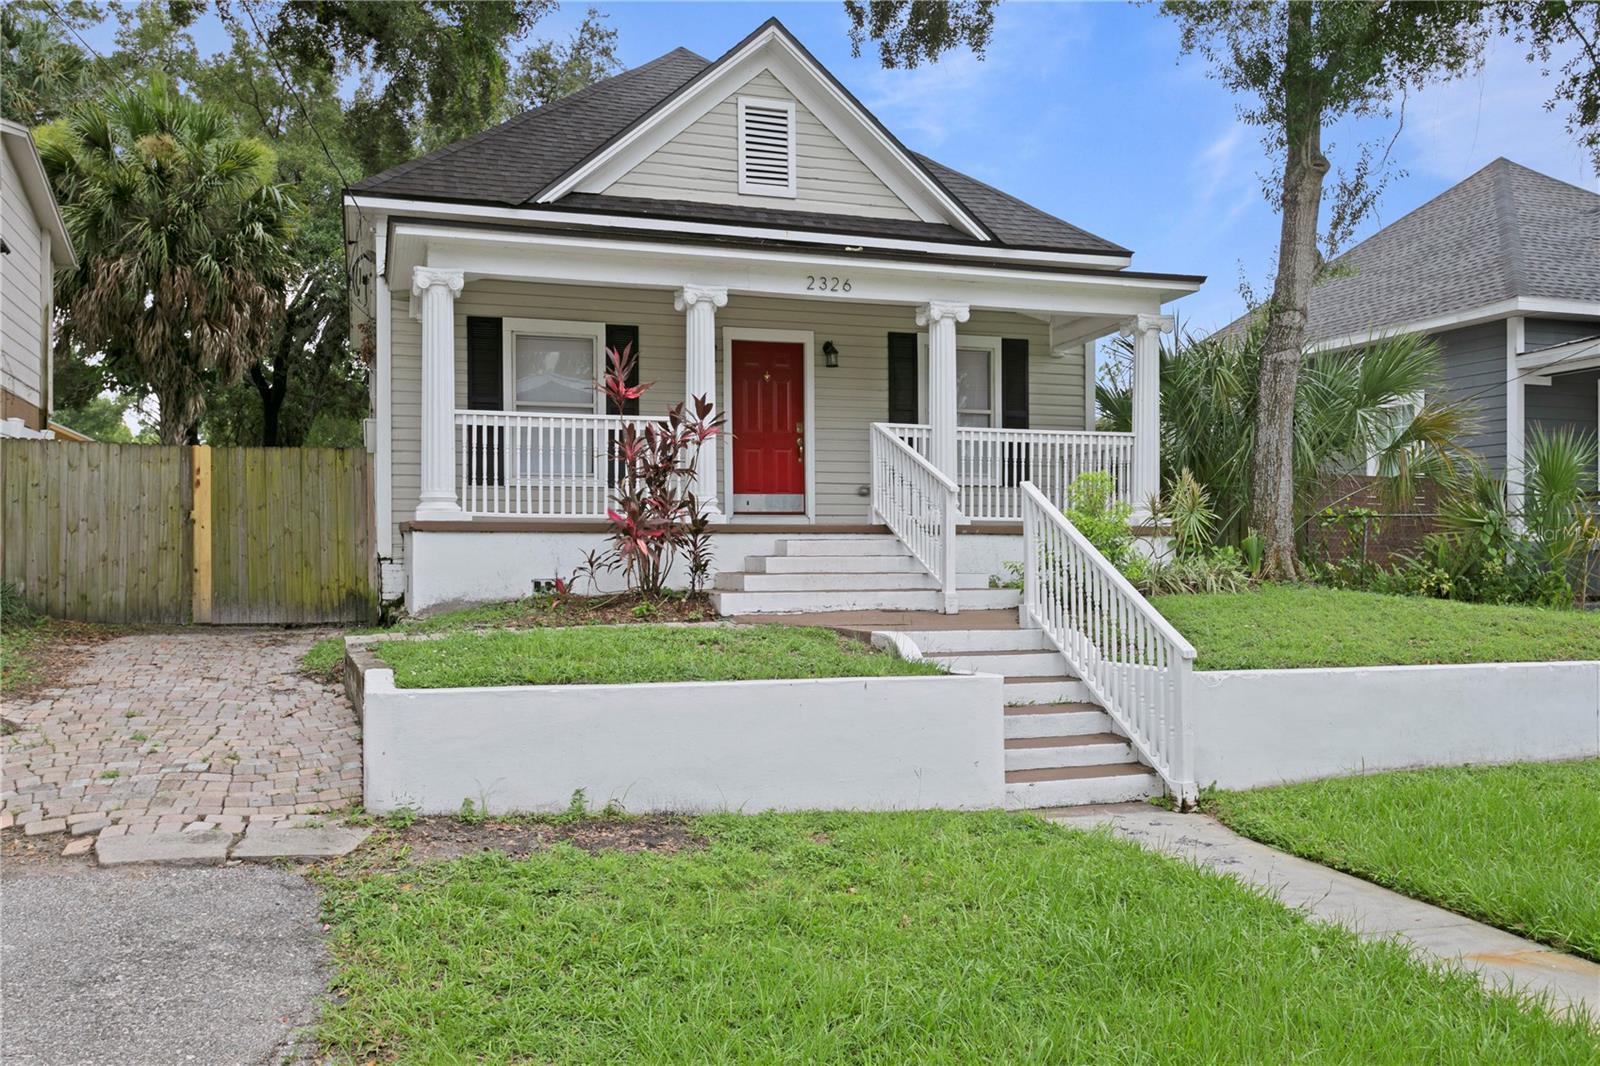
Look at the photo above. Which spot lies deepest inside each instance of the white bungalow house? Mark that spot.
(895, 346)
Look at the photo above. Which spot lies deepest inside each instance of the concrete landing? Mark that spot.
(1500, 959)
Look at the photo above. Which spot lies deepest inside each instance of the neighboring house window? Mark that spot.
(552, 367)
(1393, 419)
(766, 146)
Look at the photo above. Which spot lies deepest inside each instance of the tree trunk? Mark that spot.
(1272, 472)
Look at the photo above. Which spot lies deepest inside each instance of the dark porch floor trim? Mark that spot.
(525, 525)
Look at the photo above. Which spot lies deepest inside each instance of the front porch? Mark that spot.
(857, 405)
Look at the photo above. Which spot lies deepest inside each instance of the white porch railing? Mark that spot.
(991, 464)
(1134, 662)
(919, 504)
(527, 465)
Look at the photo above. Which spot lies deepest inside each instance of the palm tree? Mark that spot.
(1349, 408)
(182, 240)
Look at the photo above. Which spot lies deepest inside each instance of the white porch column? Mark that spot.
(700, 305)
(941, 318)
(1516, 418)
(433, 301)
(1146, 330)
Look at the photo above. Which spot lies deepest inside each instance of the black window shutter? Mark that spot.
(903, 393)
(1014, 383)
(485, 392)
(485, 365)
(620, 337)
(1014, 402)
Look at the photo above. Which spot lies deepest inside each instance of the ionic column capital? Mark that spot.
(690, 295)
(939, 310)
(1146, 324)
(424, 278)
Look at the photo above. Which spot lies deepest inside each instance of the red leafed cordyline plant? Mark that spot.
(654, 516)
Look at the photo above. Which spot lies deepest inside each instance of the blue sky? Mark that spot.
(1087, 111)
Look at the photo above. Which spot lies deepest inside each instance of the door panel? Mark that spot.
(769, 420)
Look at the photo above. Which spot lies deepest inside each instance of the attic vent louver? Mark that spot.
(766, 147)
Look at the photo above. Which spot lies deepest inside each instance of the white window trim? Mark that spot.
(963, 340)
(546, 327)
(790, 191)
(1416, 401)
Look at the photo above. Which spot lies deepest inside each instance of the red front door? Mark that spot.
(769, 427)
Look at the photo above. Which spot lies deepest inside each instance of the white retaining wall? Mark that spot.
(889, 743)
(460, 567)
(1265, 727)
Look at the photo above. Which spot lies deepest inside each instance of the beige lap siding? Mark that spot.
(849, 397)
(702, 164)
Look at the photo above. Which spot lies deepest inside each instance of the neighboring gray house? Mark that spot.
(1503, 271)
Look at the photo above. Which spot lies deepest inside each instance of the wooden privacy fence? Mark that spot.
(148, 533)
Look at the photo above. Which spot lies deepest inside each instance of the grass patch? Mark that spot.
(1286, 626)
(924, 937)
(36, 650)
(608, 655)
(1514, 846)
(324, 661)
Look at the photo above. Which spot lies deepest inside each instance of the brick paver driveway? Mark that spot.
(157, 730)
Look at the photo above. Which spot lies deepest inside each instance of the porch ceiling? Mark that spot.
(1081, 302)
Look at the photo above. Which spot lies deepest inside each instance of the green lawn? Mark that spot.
(926, 938)
(634, 654)
(1279, 626)
(1514, 846)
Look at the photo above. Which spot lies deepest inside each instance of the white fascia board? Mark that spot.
(36, 190)
(772, 50)
(1472, 316)
(443, 210)
(1562, 358)
(641, 264)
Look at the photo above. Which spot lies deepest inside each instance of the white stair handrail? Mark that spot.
(919, 504)
(1132, 660)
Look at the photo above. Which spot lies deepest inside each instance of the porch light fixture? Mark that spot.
(830, 354)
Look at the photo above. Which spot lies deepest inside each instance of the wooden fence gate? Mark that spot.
(164, 533)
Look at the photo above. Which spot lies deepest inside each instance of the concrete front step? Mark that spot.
(733, 602)
(832, 564)
(956, 641)
(1087, 749)
(1044, 689)
(1008, 663)
(1055, 720)
(746, 582)
(865, 544)
(1074, 786)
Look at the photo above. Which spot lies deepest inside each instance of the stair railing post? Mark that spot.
(1030, 559)
(948, 570)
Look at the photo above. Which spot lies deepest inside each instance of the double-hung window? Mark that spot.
(977, 402)
(553, 368)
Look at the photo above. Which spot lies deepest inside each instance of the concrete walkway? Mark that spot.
(1500, 959)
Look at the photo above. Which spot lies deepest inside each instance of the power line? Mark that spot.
(68, 26)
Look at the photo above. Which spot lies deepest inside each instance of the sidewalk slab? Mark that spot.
(1502, 960)
(179, 849)
(302, 844)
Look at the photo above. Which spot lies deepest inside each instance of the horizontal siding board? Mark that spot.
(1475, 374)
(700, 164)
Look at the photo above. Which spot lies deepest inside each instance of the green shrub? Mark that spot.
(1093, 507)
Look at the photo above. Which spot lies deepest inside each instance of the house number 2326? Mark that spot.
(826, 283)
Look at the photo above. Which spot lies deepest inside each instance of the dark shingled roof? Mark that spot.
(513, 162)
(1504, 232)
